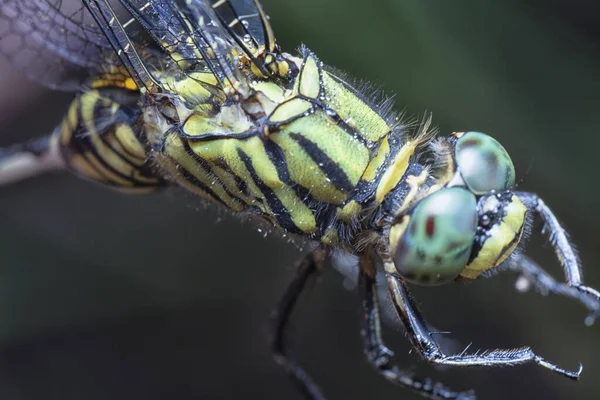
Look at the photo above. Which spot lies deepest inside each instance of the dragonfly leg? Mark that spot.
(565, 251)
(309, 269)
(379, 355)
(422, 340)
(532, 273)
(29, 159)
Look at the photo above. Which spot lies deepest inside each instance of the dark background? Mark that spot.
(105, 296)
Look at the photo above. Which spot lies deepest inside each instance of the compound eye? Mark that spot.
(438, 239)
(483, 163)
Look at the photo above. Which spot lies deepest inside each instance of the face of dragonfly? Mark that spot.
(467, 227)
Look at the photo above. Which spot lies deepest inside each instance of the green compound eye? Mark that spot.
(483, 163)
(437, 242)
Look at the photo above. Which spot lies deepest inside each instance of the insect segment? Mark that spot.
(305, 154)
(197, 94)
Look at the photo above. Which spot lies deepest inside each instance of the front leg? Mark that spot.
(563, 248)
(423, 341)
(532, 273)
(379, 355)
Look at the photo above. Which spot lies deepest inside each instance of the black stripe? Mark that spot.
(365, 190)
(208, 169)
(105, 123)
(239, 182)
(277, 158)
(80, 140)
(129, 153)
(194, 181)
(334, 116)
(324, 212)
(279, 211)
(330, 168)
(84, 138)
(331, 114)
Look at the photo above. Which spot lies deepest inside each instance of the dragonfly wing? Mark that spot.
(248, 24)
(54, 42)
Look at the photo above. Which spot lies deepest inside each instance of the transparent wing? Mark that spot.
(135, 51)
(192, 37)
(60, 43)
(189, 41)
(53, 42)
(208, 29)
(248, 24)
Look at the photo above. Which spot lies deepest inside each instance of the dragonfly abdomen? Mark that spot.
(98, 141)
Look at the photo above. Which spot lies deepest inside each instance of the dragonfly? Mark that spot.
(197, 94)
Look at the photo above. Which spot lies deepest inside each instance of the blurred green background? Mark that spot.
(105, 296)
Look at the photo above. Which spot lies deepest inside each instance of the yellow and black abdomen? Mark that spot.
(98, 141)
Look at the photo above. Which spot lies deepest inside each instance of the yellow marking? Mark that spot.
(174, 148)
(396, 232)
(137, 175)
(228, 180)
(377, 161)
(271, 90)
(130, 84)
(256, 71)
(395, 171)
(127, 138)
(193, 88)
(114, 79)
(330, 238)
(354, 111)
(415, 183)
(300, 214)
(197, 125)
(174, 172)
(82, 166)
(349, 211)
(283, 68)
(69, 123)
(110, 157)
(290, 109)
(107, 154)
(310, 82)
(349, 154)
(306, 173)
(502, 240)
(109, 175)
(390, 268)
(227, 151)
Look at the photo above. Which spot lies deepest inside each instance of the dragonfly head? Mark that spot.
(470, 225)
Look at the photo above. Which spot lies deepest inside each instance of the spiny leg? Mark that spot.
(422, 340)
(564, 249)
(309, 268)
(379, 355)
(533, 274)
